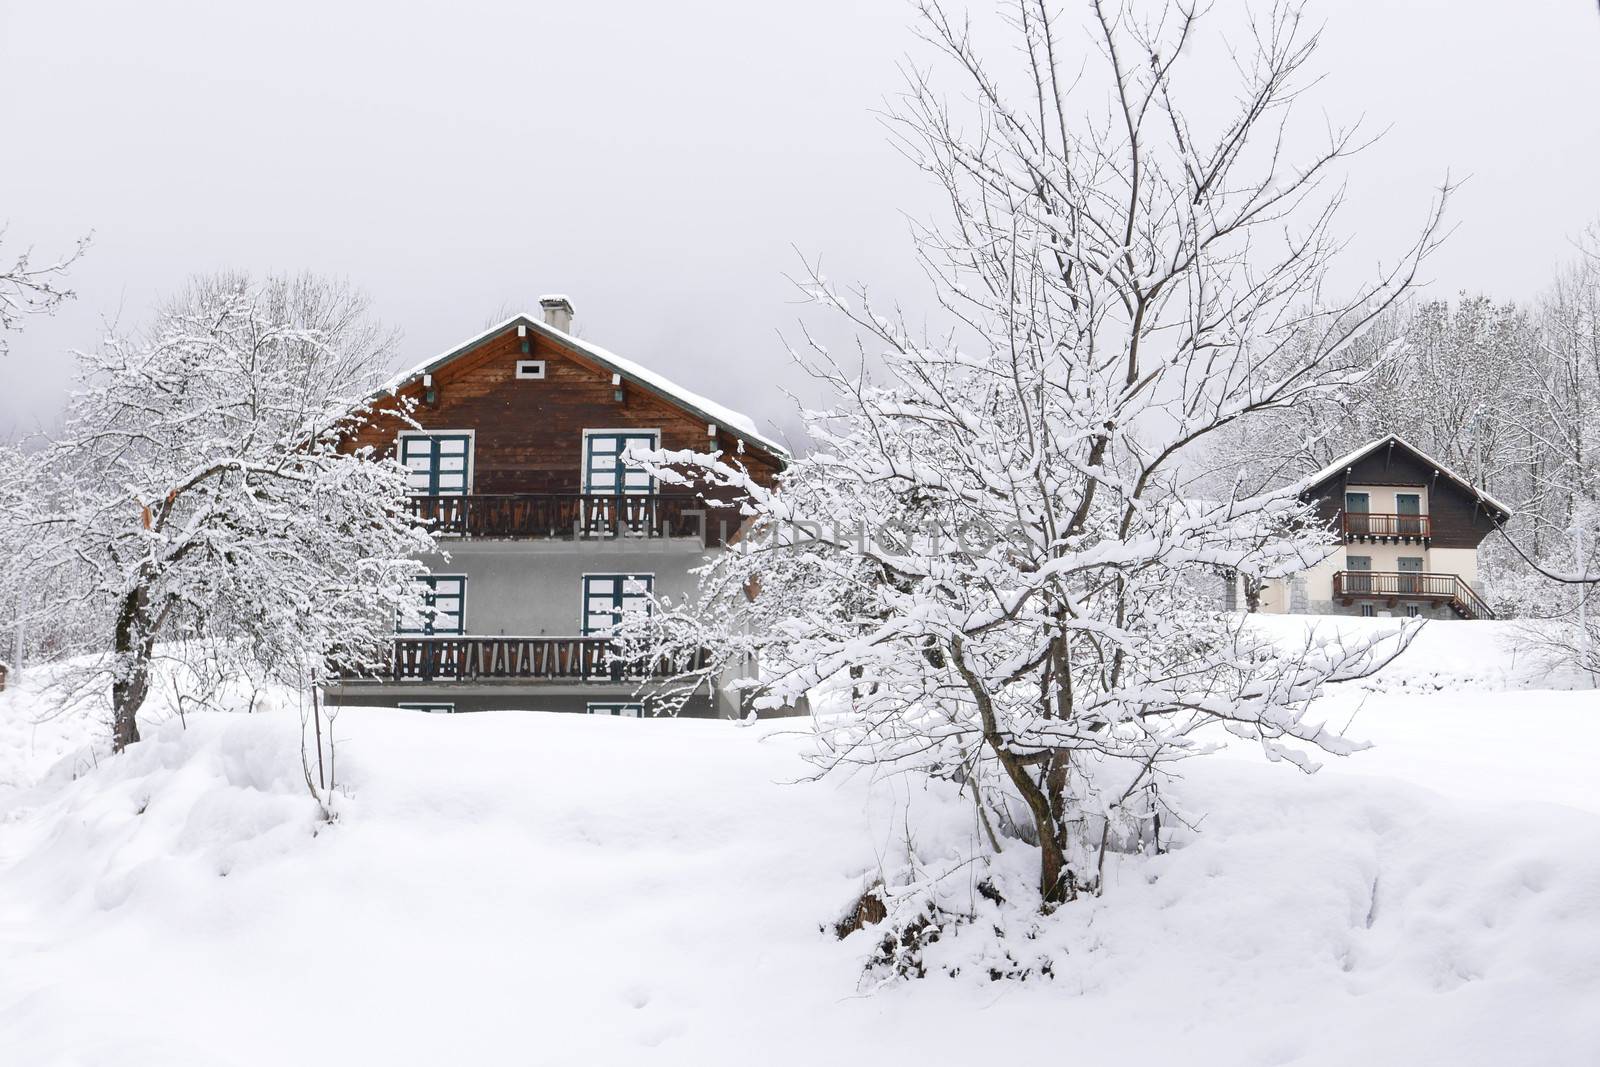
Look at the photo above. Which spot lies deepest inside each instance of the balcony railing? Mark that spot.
(1386, 526)
(464, 658)
(571, 515)
(1449, 589)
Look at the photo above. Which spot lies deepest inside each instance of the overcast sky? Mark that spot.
(659, 163)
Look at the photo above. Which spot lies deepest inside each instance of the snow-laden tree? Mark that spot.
(1559, 415)
(201, 503)
(1557, 533)
(26, 288)
(1442, 374)
(31, 632)
(991, 542)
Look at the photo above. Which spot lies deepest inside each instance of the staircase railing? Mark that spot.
(1412, 585)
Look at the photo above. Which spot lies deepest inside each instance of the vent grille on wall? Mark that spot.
(530, 368)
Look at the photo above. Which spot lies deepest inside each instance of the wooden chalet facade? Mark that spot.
(1408, 531)
(517, 464)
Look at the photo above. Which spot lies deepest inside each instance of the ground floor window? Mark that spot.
(444, 598)
(1413, 610)
(626, 709)
(431, 709)
(1355, 580)
(1410, 574)
(608, 597)
(1366, 611)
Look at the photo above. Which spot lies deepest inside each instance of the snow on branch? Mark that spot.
(27, 288)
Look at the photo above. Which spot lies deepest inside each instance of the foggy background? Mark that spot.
(660, 164)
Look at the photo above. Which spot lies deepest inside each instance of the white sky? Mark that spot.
(660, 163)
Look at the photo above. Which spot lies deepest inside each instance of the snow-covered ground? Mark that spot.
(542, 889)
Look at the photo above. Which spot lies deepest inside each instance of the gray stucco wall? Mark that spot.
(533, 588)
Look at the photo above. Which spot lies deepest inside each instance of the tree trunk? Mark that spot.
(132, 683)
(1056, 884)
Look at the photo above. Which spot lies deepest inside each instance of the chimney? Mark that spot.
(557, 312)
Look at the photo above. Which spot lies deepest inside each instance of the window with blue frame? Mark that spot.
(437, 463)
(626, 709)
(607, 597)
(604, 471)
(619, 496)
(431, 709)
(444, 599)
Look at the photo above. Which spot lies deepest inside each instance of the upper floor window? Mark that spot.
(1408, 513)
(603, 468)
(438, 463)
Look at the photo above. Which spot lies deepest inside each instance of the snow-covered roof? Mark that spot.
(1338, 466)
(737, 423)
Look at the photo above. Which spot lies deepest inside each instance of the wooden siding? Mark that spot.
(529, 432)
(1456, 518)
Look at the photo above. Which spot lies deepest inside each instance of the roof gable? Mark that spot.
(1345, 462)
(709, 411)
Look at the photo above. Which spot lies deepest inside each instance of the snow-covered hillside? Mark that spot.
(542, 889)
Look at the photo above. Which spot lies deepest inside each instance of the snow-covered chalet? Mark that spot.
(551, 537)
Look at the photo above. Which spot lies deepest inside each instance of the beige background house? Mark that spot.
(1408, 532)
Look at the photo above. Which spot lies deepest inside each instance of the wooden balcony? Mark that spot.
(574, 516)
(1386, 526)
(1391, 587)
(464, 658)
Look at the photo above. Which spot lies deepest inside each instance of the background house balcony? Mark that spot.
(464, 658)
(1386, 526)
(574, 516)
(1392, 587)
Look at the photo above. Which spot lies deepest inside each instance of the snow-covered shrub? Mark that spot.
(992, 542)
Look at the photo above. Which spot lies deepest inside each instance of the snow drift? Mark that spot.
(547, 889)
